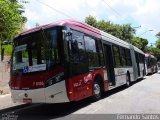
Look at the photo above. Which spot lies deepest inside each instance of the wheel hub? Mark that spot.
(96, 89)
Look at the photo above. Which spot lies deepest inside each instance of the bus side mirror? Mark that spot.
(67, 33)
(2, 54)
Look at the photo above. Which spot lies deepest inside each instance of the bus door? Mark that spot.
(109, 63)
(134, 64)
(137, 61)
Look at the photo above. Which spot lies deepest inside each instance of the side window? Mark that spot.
(77, 47)
(91, 50)
(137, 57)
(123, 57)
(116, 56)
(100, 53)
(54, 56)
(78, 54)
(37, 49)
(141, 56)
(128, 57)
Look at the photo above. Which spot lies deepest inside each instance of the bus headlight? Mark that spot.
(55, 79)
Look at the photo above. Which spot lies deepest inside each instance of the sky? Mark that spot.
(144, 13)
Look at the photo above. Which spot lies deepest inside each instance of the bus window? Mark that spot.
(78, 54)
(54, 57)
(30, 51)
(141, 60)
(77, 47)
(91, 50)
(116, 56)
(100, 53)
(123, 57)
(128, 57)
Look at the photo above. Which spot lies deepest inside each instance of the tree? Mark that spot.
(105, 26)
(144, 43)
(154, 51)
(141, 43)
(158, 44)
(127, 32)
(37, 24)
(158, 35)
(124, 32)
(91, 21)
(11, 20)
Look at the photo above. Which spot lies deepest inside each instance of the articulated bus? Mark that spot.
(70, 61)
(150, 64)
(158, 64)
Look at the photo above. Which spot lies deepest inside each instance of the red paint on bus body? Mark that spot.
(83, 27)
(81, 86)
(34, 80)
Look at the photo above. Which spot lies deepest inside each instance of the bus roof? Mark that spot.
(83, 27)
(150, 55)
(70, 23)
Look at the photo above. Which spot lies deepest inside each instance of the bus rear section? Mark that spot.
(150, 64)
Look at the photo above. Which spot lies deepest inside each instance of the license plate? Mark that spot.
(27, 100)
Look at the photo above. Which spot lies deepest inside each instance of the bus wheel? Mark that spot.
(128, 80)
(96, 91)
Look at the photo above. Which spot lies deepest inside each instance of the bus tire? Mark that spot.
(97, 92)
(128, 80)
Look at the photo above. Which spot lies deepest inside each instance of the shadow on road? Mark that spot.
(44, 111)
(121, 88)
(52, 111)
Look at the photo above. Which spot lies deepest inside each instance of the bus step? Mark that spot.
(111, 87)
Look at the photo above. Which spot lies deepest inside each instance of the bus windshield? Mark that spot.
(35, 51)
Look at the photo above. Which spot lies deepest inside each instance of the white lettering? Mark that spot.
(150, 117)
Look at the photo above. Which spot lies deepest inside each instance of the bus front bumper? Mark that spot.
(53, 94)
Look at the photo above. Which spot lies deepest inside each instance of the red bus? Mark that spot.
(70, 61)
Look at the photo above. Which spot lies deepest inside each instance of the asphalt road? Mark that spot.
(143, 97)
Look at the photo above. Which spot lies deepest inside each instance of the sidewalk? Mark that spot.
(5, 96)
(4, 76)
(6, 101)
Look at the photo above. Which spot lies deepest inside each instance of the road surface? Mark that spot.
(143, 97)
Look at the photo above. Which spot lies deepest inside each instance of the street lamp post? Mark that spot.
(136, 27)
(152, 44)
(145, 32)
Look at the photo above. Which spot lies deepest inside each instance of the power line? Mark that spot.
(112, 9)
(54, 9)
(116, 13)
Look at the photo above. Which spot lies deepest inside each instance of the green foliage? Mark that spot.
(11, 20)
(7, 50)
(139, 42)
(154, 51)
(127, 32)
(37, 24)
(104, 26)
(91, 21)
(158, 43)
(124, 32)
(158, 35)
